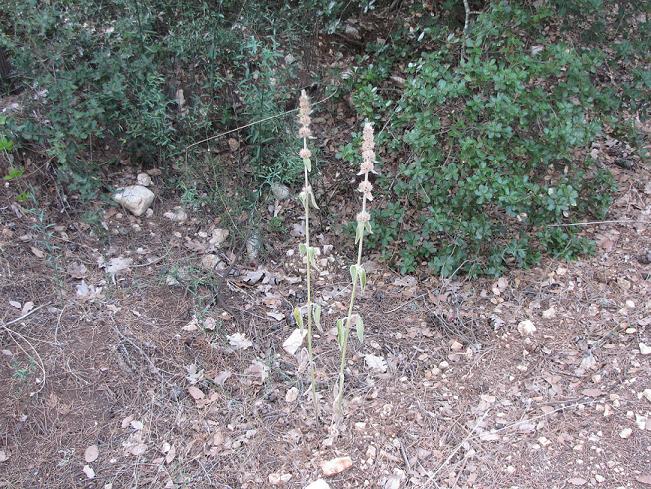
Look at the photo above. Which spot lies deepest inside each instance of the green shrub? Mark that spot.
(110, 74)
(491, 149)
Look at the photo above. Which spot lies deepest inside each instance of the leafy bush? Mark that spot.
(491, 149)
(148, 77)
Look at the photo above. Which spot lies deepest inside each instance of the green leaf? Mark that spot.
(23, 196)
(6, 144)
(311, 255)
(14, 173)
(308, 164)
(316, 315)
(359, 328)
(362, 277)
(312, 200)
(360, 232)
(298, 317)
(303, 198)
(353, 273)
(340, 333)
(302, 249)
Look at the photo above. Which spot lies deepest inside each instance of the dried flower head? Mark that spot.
(368, 150)
(305, 153)
(304, 118)
(366, 188)
(367, 135)
(363, 217)
(366, 167)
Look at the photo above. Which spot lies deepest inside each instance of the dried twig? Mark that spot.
(598, 223)
(468, 437)
(12, 332)
(27, 314)
(404, 304)
(237, 129)
(472, 435)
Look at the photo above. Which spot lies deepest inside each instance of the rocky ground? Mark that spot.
(149, 352)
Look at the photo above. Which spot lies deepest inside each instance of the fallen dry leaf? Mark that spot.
(526, 328)
(91, 454)
(577, 481)
(592, 392)
(77, 270)
(501, 284)
(118, 265)
(218, 236)
(257, 372)
(644, 479)
(88, 470)
(138, 449)
(336, 465)
(193, 325)
(4, 456)
(278, 316)
(28, 306)
(291, 395)
(38, 253)
(239, 341)
(277, 479)
(645, 349)
(209, 324)
(254, 277)
(456, 345)
(375, 363)
(647, 394)
(196, 393)
(488, 436)
(222, 377)
(85, 291)
(318, 484)
(294, 342)
(170, 455)
(625, 433)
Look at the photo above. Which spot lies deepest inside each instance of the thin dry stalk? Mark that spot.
(357, 272)
(307, 198)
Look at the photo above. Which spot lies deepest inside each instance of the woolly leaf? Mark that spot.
(316, 315)
(353, 273)
(298, 317)
(340, 333)
(359, 328)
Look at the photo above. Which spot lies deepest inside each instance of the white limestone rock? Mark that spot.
(135, 198)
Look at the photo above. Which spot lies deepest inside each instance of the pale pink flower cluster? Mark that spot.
(368, 151)
(363, 217)
(366, 187)
(304, 118)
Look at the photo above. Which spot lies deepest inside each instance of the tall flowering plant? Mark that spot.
(357, 272)
(307, 198)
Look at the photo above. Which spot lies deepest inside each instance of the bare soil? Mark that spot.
(114, 360)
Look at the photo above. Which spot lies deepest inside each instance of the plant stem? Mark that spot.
(310, 352)
(344, 347)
